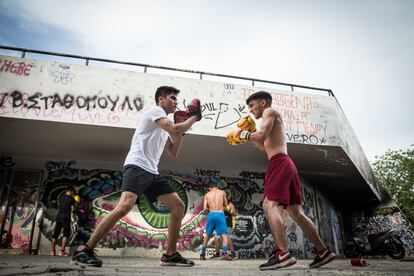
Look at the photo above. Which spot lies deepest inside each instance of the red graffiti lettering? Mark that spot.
(18, 68)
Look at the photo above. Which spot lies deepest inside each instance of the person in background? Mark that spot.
(230, 213)
(214, 202)
(66, 206)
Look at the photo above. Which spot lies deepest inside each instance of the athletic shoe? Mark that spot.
(216, 255)
(320, 260)
(202, 257)
(226, 257)
(52, 253)
(279, 260)
(233, 255)
(86, 257)
(175, 260)
(63, 253)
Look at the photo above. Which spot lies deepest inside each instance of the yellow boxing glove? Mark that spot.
(235, 137)
(77, 198)
(247, 123)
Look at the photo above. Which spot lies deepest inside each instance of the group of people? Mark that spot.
(156, 132)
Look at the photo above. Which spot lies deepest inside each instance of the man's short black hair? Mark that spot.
(212, 184)
(261, 95)
(164, 91)
(71, 189)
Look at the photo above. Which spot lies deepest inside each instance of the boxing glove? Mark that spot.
(247, 123)
(194, 108)
(180, 116)
(235, 137)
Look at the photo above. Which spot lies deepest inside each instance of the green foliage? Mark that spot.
(395, 170)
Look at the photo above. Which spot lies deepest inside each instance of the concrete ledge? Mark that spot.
(11, 251)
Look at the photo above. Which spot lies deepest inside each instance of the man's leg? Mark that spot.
(64, 243)
(204, 246)
(125, 204)
(176, 206)
(53, 248)
(55, 236)
(225, 243)
(86, 256)
(66, 234)
(226, 256)
(307, 226)
(62, 251)
(323, 254)
(277, 228)
(218, 241)
(208, 231)
(281, 258)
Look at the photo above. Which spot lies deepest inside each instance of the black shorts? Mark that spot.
(62, 223)
(139, 181)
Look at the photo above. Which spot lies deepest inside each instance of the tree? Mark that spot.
(395, 170)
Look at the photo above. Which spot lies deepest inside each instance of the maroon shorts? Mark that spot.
(282, 181)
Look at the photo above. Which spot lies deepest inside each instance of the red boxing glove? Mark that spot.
(194, 109)
(180, 116)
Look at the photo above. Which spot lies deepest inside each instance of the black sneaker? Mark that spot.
(323, 259)
(216, 255)
(86, 257)
(175, 260)
(278, 261)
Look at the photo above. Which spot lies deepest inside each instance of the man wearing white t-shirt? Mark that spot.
(155, 131)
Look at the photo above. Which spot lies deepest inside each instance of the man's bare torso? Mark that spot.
(215, 200)
(276, 141)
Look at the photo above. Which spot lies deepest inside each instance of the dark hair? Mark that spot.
(212, 184)
(261, 95)
(71, 189)
(164, 91)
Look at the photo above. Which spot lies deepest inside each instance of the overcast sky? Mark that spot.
(362, 50)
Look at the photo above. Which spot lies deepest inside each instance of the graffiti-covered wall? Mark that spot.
(381, 220)
(53, 91)
(17, 207)
(146, 225)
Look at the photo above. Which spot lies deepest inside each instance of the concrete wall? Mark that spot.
(53, 91)
(143, 230)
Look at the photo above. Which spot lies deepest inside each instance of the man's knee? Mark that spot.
(178, 207)
(124, 207)
(268, 204)
(295, 213)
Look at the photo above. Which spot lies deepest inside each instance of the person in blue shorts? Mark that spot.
(214, 202)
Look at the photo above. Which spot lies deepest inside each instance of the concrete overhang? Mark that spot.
(33, 142)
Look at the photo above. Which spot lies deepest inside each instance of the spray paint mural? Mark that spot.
(18, 209)
(384, 219)
(146, 225)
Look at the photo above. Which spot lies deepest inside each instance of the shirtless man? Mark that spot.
(214, 202)
(281, 186)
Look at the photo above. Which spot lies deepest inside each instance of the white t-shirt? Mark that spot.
(148, 141)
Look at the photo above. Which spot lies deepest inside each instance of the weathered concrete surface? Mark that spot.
(47, 265)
